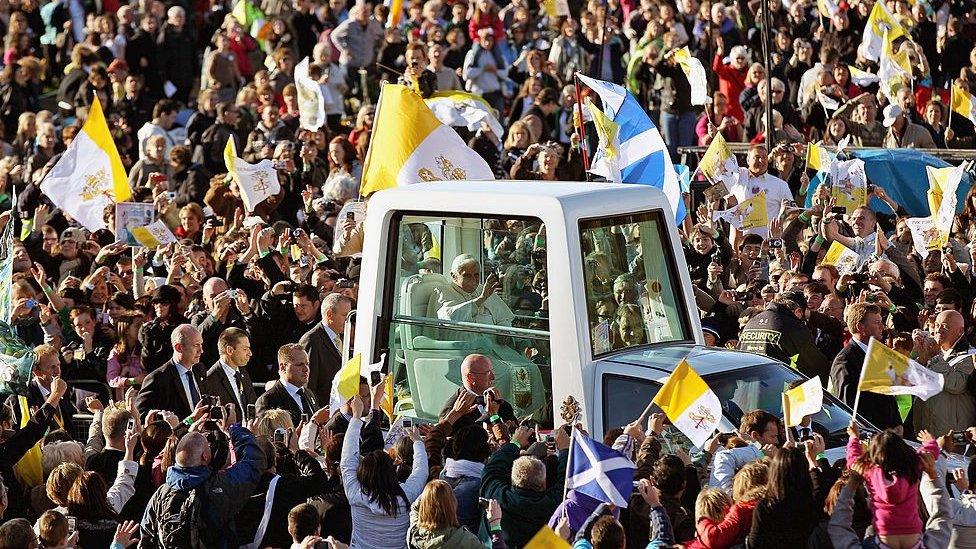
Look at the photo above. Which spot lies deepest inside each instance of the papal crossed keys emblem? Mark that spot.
(701, 416)
(95, 185)
(262, 182)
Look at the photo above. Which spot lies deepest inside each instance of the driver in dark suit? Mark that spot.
(478, 376)
(228, 378)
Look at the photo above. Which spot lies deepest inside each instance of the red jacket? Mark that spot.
(487, 21)
(731, 82)
(730, 531)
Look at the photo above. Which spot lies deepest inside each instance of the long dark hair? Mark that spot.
(888, 452)
(377, 477)
(789, 477)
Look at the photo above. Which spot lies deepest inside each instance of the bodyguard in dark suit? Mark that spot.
(47, 366)
(324, 345)
(290, 393)
(864, 321)
(228, 378)
(176, 385)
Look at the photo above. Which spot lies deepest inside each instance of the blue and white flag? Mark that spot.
(599, 471)
(643, 157)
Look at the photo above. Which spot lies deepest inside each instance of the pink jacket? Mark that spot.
(894, 500)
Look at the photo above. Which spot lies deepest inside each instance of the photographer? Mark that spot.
(191, 481)
(224, 308)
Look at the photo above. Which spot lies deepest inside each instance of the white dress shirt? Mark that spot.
(230, 373)
(293, 391)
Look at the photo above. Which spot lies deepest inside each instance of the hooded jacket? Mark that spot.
(225, 492)
(452, 537)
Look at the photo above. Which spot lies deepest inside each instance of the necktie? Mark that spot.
(301, 396)
(239, 379)
(194, 394)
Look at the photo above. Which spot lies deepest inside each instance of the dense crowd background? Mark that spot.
(230, 312)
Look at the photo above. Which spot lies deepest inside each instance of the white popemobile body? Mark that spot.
(595, 303)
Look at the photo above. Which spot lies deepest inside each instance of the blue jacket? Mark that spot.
(225, 492)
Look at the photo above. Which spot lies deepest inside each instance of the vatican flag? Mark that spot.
(841, 257)
(606, 160)
(690, 404)
(888, 372)
(311, 101)
(718, 163)
(803, 400)
(862, 78)
(410, 145)
(695, 72)
(963, 103)
(461, 108)
(256, 182)
(153, 235)
(89, 176)
(880, 21)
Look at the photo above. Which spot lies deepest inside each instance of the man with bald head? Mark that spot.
(224, 308)
(176, 385)
(478, 377)
(225, 492)
(954, 407)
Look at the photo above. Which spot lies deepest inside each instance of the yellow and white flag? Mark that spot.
(693, 69)
(256, 182)
(606, 160)
(963, 103)
(841, 257)
(888, 372)
(89, 176)
(718, 163)
(943, 183)
(803, 400)
(546, 538)
(748, 214)
(690, 405)
(862, 78)
(849, 184)
(925, 235)
(461, 108)
(893, 69)
(311, 101)
(828, 8)
(880, 20)
(818, 157)
(153, 235)
(410, 145)
(345, 382)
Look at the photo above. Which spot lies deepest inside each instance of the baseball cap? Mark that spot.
(891, 112)
(73, 234)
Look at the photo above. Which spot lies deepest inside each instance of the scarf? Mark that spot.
(456, 468)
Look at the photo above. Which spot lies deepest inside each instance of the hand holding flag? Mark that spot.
(690, 404)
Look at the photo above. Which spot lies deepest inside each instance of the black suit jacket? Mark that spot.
(277, 397)
(35, 400)
(505, 411)
(217, 384)
(324, 360)
(845, 373)
(163, 390)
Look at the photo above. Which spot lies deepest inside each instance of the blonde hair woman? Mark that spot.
(434, 523)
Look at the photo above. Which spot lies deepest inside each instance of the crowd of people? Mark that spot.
(208, 364)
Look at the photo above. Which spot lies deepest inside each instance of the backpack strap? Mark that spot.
(268, 504)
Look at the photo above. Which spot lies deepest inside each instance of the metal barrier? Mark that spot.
(949, 155)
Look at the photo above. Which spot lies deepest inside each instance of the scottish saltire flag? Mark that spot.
(643, 157)
(599, 471)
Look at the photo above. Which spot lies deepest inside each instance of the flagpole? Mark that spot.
(580, 129)
(372, 133)
(857, 396)
(786, 419)
(569, 458)
(949, 123)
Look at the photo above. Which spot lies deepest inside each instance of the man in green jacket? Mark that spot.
(519, 485)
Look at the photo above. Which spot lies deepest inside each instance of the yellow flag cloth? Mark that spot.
(349, 378)
(546, 538)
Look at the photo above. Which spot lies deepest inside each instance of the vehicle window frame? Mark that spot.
(590, 223)
(387, 316)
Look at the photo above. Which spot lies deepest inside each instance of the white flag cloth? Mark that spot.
(311, 102)
(925, 235)
(256, 182)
